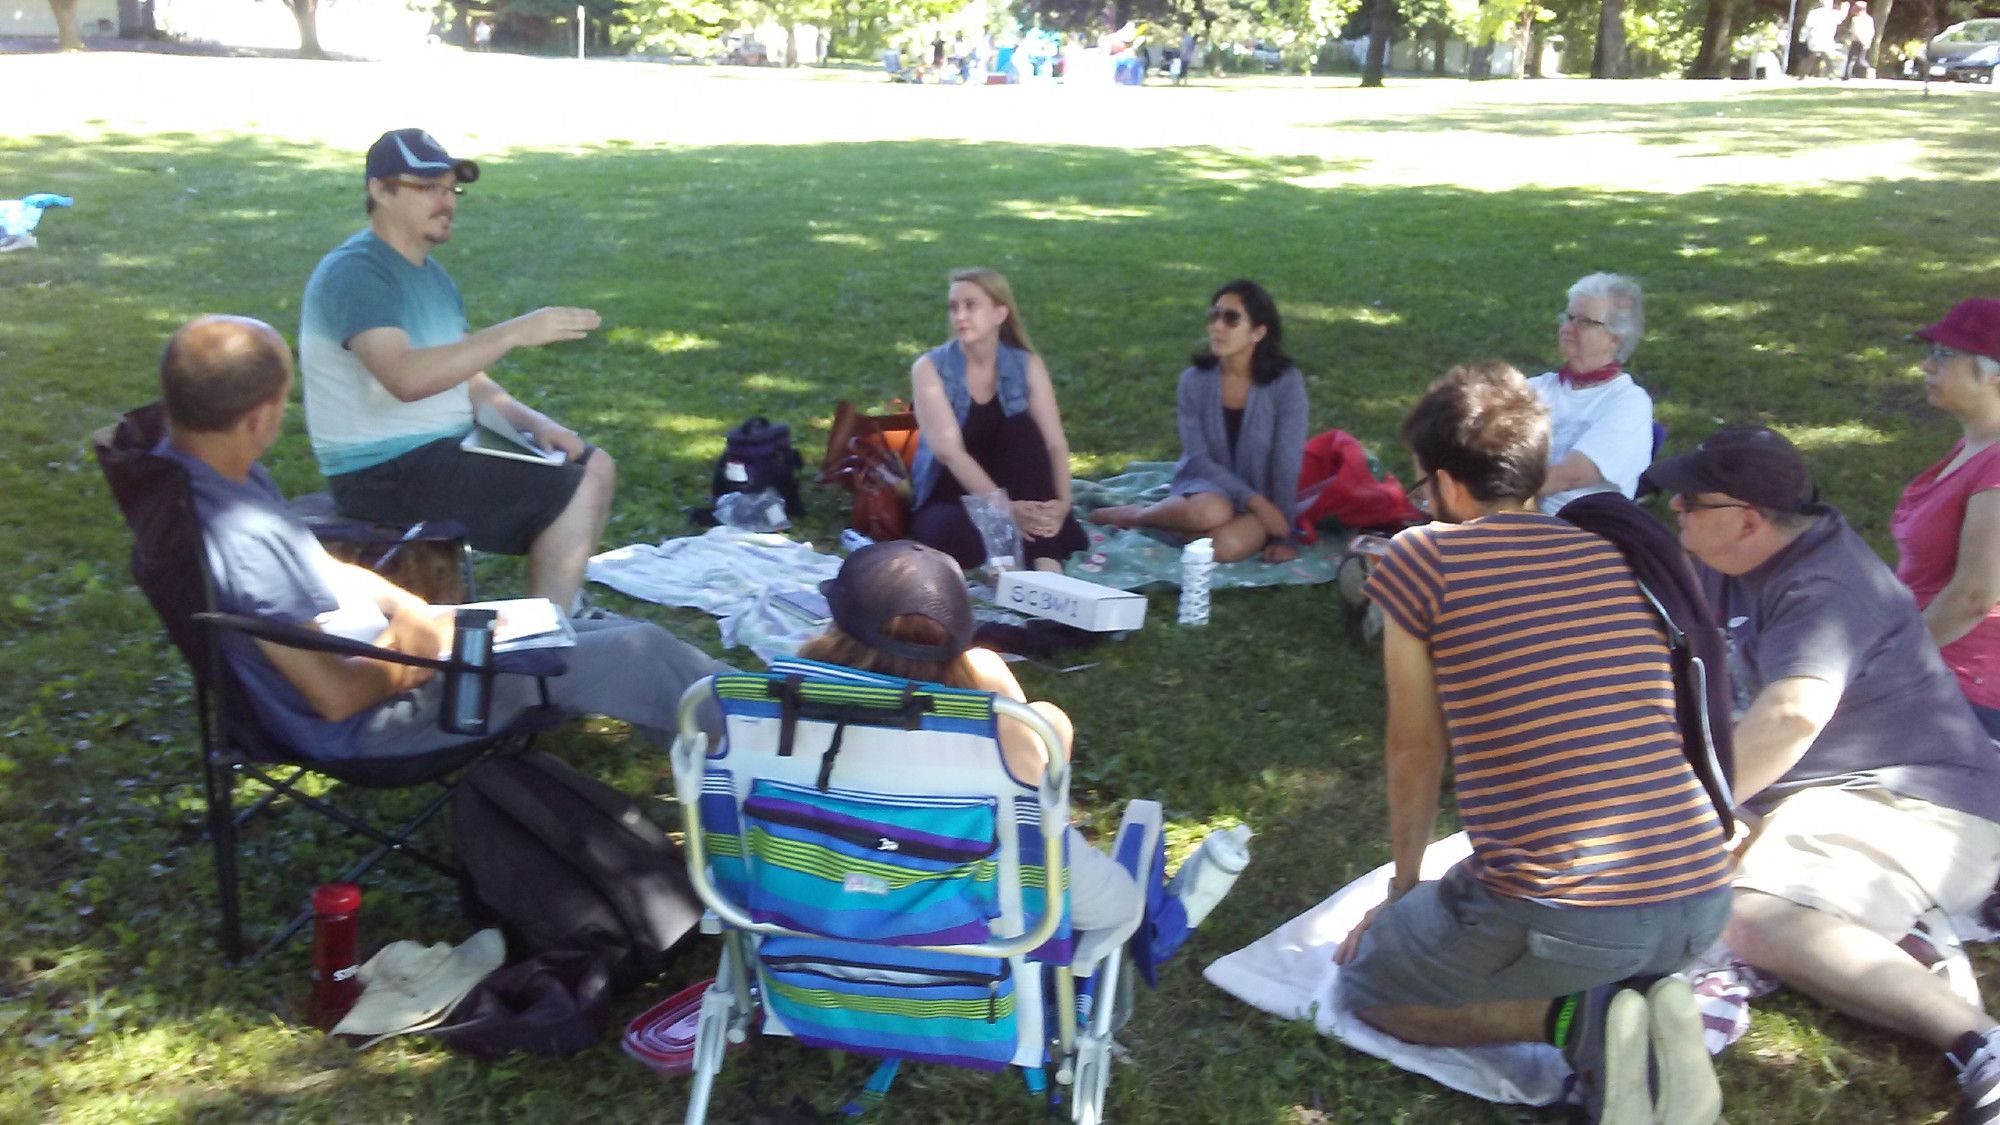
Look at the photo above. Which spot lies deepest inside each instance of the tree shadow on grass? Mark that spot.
(776, 280)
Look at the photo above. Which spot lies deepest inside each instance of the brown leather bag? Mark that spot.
(894, 432)
(881, 487)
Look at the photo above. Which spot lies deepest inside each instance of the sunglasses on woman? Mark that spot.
(1230, 318)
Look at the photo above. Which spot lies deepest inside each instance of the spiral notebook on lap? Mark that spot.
(493, 435)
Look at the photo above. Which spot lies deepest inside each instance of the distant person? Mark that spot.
(1860, 36)
(1603, 421)
(482, 36)
(1243, 421)
(986, 410)
(1947, 525)
(1872, 791)
(1820, 36)
(393, 379)
(937, 52)
(1186, 60)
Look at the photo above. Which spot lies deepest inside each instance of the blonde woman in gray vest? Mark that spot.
(1243, 430)
(987, 415)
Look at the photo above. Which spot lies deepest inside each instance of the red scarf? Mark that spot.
(1578, 380)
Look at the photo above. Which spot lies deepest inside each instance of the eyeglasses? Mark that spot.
(1230, 318)
(1688, 505)
(1941, 354)
(436, 189)
(1581, 321)
(1420, 493)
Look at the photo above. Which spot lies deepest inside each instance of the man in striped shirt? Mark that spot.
(1519, 648)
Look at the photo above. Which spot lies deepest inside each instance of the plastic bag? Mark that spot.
(993, 514)
(760, 511)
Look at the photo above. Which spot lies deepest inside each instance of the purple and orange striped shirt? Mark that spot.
(1553, 674)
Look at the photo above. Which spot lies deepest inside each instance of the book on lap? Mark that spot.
(493, 435)
(527, 623)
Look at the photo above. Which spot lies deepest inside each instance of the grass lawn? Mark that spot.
(766, 243)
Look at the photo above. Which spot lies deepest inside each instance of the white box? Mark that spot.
(1071, 601)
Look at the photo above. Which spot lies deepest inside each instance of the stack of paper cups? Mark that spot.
(1197, 560)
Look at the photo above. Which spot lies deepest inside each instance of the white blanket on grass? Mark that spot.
(739, 577)
(732, 575)
(1290, 972)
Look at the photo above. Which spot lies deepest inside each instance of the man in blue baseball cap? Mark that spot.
(394, 378)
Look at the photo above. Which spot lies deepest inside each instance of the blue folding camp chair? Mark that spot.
(880, 879)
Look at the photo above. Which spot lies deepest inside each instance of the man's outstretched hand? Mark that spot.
(553, 325)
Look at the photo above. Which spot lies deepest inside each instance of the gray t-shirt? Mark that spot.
(1826, 607)
(265, 563)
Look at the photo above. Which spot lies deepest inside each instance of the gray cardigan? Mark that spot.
(1268, 447)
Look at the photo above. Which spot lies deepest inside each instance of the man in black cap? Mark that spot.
(1874, 791)
(394, 379)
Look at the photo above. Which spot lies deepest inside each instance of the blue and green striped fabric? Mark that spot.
(1034, 883)
(893, 1003)
(900, 869)
(962, 710)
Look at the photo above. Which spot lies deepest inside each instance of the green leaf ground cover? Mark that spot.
(1788, 239)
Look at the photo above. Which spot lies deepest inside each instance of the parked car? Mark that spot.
(1266, 55)
(1965, 52)
(742, 50)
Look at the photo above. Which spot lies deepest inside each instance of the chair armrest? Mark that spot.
(535, 662)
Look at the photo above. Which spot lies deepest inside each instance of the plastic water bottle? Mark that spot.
(1197, 560)
(335, 963)
(1211, 871)
(465, 692)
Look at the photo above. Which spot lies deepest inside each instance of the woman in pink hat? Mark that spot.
(1947, 525)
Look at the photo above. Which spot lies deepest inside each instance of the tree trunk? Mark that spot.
(68, 36)
(1881, 26)
(1713, 57)
(791, 43)
(1381, 23)
(306, 13)
(1441, 38)
(1608, 60)
(1479, 67)
(1529, 41)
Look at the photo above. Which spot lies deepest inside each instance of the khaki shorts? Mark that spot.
(1875, 858)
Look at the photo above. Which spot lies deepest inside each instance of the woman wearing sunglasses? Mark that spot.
(987, 413)
(1947, 525)
(1243, 429)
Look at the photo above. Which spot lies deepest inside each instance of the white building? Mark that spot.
(34, 18)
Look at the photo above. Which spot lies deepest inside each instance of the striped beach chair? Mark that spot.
(884, 886)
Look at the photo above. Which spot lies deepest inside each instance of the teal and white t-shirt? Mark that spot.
(353, 420)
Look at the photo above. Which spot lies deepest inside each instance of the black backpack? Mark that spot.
(564, 862)
(758, 455)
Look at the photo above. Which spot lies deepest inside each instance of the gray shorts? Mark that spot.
(504, 504)
(1454, 942)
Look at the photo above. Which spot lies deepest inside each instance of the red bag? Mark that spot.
(1337, 481)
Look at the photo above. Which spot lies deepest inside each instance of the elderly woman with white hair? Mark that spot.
(1947, 524)
(1603, 421)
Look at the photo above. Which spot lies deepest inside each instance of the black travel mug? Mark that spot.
(465, 690)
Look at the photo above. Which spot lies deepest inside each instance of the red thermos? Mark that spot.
(336, 967)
